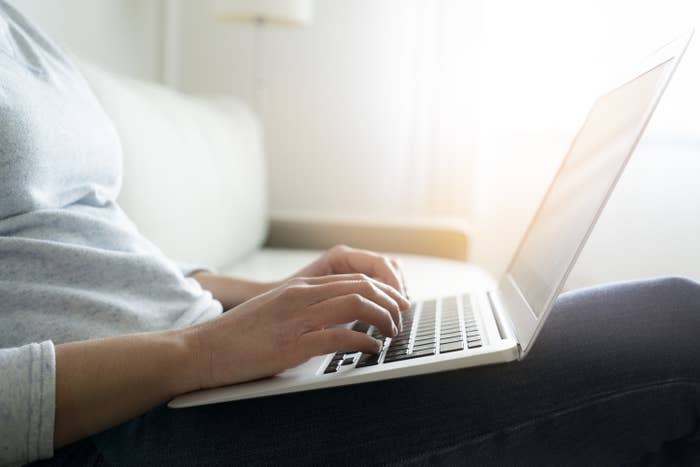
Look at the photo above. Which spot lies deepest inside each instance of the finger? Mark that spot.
(350, 260)
(398, 267)
(339, 310)
(331, 340)
(392, 292)
(318, 293)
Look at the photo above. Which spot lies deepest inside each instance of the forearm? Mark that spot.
(231, 291)
(101, 383)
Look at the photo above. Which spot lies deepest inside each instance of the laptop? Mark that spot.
(501, 325)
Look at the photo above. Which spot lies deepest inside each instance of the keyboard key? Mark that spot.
(400, 340)
(428, 345)
(428, 307)
(424, 339)
(367, 360)
(466, 300)
(398, 348)
(473, 339)
(451, 347)
(394, 353)
(472, 333)
(424, 336)
(360, 326)
(450, 341)
(452, 338)
(422, 353)
(348, 361)
(449, 303)
(474, 344)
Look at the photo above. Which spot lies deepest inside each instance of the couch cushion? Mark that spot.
(194, 179)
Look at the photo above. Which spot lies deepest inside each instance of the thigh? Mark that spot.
(613, 375)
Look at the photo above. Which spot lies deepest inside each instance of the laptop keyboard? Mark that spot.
(422, 335)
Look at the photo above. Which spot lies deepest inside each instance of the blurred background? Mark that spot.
(442, 109)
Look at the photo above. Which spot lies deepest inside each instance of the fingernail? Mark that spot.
(400, 322)
(379, 345)
(395, 329)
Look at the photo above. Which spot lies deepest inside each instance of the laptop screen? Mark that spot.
(580, 188)
(578, 192)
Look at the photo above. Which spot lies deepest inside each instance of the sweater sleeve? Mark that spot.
(27, 403)
(189, 269)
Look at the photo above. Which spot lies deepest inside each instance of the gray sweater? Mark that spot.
(72, 265)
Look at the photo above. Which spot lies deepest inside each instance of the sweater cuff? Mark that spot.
(43, 397)
(27, 403)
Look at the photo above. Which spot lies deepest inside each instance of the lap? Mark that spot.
(613, 374)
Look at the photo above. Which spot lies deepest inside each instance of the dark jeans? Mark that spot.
(614, 378)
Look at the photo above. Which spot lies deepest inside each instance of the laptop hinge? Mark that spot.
(498, 318)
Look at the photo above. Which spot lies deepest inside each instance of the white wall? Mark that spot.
(121, 35)
(360, 107)
(546, 60)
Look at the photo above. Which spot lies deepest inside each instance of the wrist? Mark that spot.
(183, 369)
(232, 291)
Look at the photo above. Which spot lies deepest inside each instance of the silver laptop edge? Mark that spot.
(520, 314)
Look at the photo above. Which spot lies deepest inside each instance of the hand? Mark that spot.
(342, 259)
(285, 327)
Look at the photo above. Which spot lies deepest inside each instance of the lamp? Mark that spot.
(261, 13)
(277, 12)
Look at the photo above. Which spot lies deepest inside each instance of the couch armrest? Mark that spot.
(446, 239)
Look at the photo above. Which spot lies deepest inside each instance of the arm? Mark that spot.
(231, 291)
(101, 383)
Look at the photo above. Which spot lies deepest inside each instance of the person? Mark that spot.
(98, 329)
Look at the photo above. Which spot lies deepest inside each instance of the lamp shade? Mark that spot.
(281, 12)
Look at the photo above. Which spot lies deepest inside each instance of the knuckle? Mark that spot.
(292, 292)
(339, 248)
(368, 286)
(355, 299)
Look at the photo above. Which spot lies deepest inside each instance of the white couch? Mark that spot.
(194, 183)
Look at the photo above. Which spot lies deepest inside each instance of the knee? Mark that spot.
(677, 286)
(678, 297)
